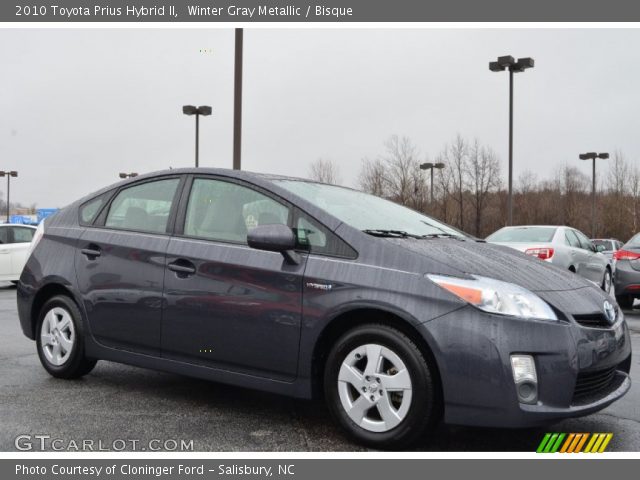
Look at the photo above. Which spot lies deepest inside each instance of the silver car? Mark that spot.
(564, 247)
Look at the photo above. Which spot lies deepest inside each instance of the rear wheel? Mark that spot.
(625, 301)
(380, 388)
(60, 339)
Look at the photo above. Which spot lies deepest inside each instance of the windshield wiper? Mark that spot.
(390, 233)
(441, 235)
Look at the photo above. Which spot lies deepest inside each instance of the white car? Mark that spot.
(563, 246)
(14, 247)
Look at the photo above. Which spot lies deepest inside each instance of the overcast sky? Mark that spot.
(78, 106)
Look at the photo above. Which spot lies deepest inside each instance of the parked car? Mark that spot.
(14, 244)
(627, 279)
(306, 289)
(564, 247)
(607, 246)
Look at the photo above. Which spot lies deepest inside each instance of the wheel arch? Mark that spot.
(357, 316)
(48, 291)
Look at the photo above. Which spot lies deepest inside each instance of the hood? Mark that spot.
(494, 261)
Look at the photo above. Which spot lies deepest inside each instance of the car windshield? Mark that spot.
(368, 213)
(523, 234)
(607, 244)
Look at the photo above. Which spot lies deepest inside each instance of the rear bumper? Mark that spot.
(473, 355)
(626, 279)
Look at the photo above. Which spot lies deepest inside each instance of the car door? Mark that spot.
(5, 254)
(595, 262)
(227, 305)
(120, 263)
(577, 256)
(20, 240)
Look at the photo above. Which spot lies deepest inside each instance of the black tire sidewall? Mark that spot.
(423, 410)
(76, 364)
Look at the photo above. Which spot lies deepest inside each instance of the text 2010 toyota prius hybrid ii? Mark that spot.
(305, 289)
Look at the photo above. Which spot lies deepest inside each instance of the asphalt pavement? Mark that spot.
(120, 407)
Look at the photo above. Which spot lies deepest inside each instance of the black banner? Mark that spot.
(321, 11)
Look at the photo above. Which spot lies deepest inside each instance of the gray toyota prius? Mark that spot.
(314, 290)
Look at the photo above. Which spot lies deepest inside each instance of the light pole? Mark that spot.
(8, 174)
(128, 175)
(593, 156)
(507, 62)
(197, 111)
(431, 166)
(237, 101)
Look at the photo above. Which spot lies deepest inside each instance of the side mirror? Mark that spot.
(274, 238)
(600, 248)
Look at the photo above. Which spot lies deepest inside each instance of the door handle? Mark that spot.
(181, 266)
(91, 251)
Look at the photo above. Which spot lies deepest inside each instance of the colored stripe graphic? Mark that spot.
(574, 442)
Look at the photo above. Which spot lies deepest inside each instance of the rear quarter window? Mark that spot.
(89, 210)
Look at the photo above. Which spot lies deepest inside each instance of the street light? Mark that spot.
(197, 111)
(431, 166)
(593, 156)
(8, 174)
(128, 175)
(507, 62)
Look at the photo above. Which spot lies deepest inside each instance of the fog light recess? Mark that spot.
(525, 378)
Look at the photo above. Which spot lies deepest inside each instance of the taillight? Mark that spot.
(541, 253)
(626, 255)
(37, 236)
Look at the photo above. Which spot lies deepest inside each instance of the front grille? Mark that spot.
(590, 383)
(598, 320)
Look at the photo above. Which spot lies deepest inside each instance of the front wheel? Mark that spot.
(380, 388)
(60, 339)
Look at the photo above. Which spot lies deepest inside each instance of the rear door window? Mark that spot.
(4, 235)
(585, 243)
(571, 238)
(144, 207)
(22, 234)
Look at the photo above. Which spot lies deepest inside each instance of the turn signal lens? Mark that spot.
(541, 253)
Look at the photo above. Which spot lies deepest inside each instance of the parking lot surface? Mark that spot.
(118, 406)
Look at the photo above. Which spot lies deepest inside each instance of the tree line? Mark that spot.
(470, 193)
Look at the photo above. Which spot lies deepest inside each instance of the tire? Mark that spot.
(606, 281)
(625, 301)
(370, 400)
(60, 326)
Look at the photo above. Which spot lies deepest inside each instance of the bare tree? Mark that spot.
(483, 172)
(325, 171)
(400, 161)
(372, 178)
(456, 156)
(444, 182)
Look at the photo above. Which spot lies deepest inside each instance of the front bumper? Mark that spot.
(473, 352)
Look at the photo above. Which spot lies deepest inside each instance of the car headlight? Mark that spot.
(494, 296)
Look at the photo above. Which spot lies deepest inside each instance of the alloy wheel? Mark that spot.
(57, 336)
(375, 387)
